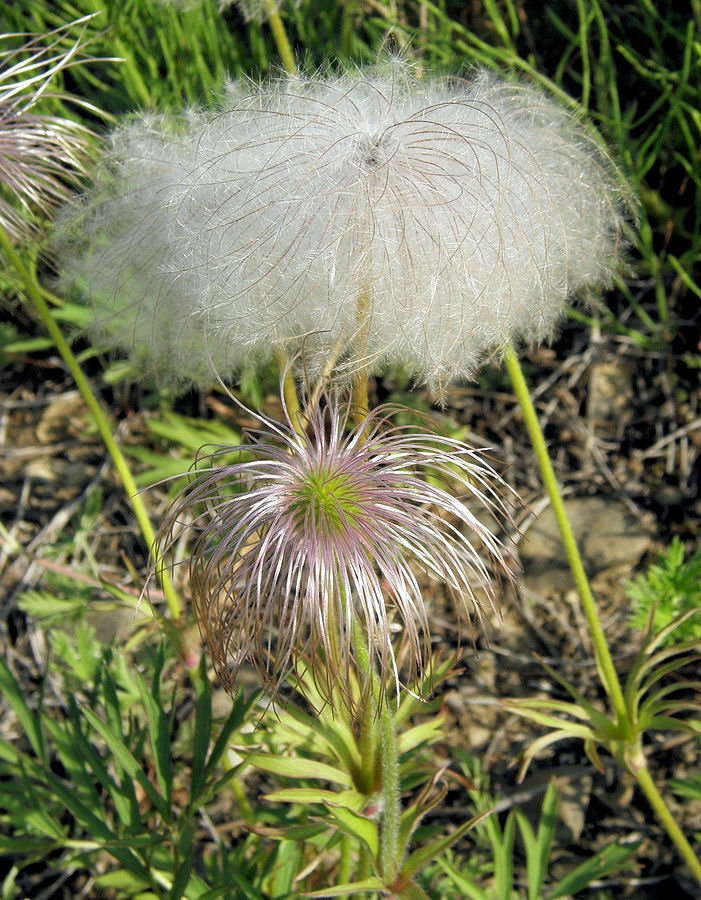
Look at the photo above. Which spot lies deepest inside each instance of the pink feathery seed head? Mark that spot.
(311, 536)
(41, 156)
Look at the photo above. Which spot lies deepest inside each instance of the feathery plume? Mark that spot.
(125, 248)
(371, 218)
(312, 535)
(41, 156)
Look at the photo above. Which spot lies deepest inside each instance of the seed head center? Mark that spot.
(329, 499)
(376, 151)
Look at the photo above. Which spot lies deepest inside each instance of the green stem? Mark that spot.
(289, 391)
(662, 812)
(280, 37)
(348, 12)
(364, 869)
(369, 698)
(345, 862)
(378, 716)
(35, 294)
(390, 860)
(607, 670)
(361, 400)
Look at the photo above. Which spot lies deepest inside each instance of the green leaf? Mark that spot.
(286, 866)
(687, 787)
(128, 761)
(423, 733)
(185, 860)
(79, 649)
(357, 826)
(8, 752)
(569, 730)
(539, 845)
(12, 692)
(236, 719)
(333, 737)
(113, 709)
(159, 726)
(17, 845)
(503, 848)
(611, 859)
(660, 671)
(128, 842)
(600, 722)
(123, 881)
(77, 756)
(347, 799)
(46, 604)
(299, 767)
(671, 586)
(95, 826)
(160, 467)
(533, 710)
(344, 890)
(203, 729)
(411, 816)
(123, 794)
(469, 890)
(412, 703)
(421, 857)
(193, 433)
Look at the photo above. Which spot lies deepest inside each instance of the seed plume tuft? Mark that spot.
(368, 218)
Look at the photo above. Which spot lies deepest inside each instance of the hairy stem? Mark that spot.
(369, 697)
(391, 812)
(377, 715)
(34, 293)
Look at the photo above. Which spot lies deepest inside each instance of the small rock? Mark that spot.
(610, 391)
(57, 420)
(574, 788)
(607, 535)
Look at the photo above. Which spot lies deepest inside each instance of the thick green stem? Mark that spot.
(390, 859)
(378, 716)
(662, 812)
(607, 669)
(346, 860)
(369, 698)
(35, 295)
(282, 43)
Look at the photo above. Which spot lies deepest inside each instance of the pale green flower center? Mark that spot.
(330, 498)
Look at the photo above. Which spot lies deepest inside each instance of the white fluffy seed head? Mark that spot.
(412, 222)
